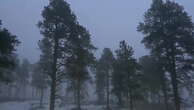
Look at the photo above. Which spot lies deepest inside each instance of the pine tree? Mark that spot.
(118, 83)
(126, 74)
(100, 82)
(8, 44)
(103, 75)
(22, 77)
(154, 78)
(168, 31)
(55, 26)
(79, 59)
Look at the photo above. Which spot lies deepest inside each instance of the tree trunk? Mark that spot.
(131, 100)
(120, 101)
(175, 90)
(32, 95)
(164, 90)
(41, 97)
(78, 95)
(175, 82)
(159, 98)
(52, 93)
(165, 99)
(75, 94)
(107, 92)
(24, 92)
(53, 77)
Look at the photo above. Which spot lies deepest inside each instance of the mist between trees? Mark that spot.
(69, 76)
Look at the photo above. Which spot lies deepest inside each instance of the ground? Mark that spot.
(15, 106)
(28, 105)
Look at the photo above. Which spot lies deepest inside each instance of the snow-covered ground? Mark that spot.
(15, 106)
(28, 106)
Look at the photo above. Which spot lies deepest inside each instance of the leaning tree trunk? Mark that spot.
(53, 77)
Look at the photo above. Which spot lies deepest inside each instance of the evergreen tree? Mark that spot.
(154, 78)
(8, 44)
(103, 76)
(55, 26)
(45, 61)
(169, 32)
(118, 83)
(22, 77)
(79, 59)
(24, 71)
(100, 83)
(126, 77)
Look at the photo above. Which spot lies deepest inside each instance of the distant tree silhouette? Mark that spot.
(39, 80)
(125, 78)
(103, 76)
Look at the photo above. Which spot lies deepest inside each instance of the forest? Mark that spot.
(70, 76)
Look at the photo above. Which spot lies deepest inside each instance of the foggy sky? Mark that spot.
(109, 21)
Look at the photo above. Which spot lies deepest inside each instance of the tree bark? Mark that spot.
(107, 92)
(53, 77)
(78, 95)
(175, 82)
(164, 90)
(175, 90)
(52, 94)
